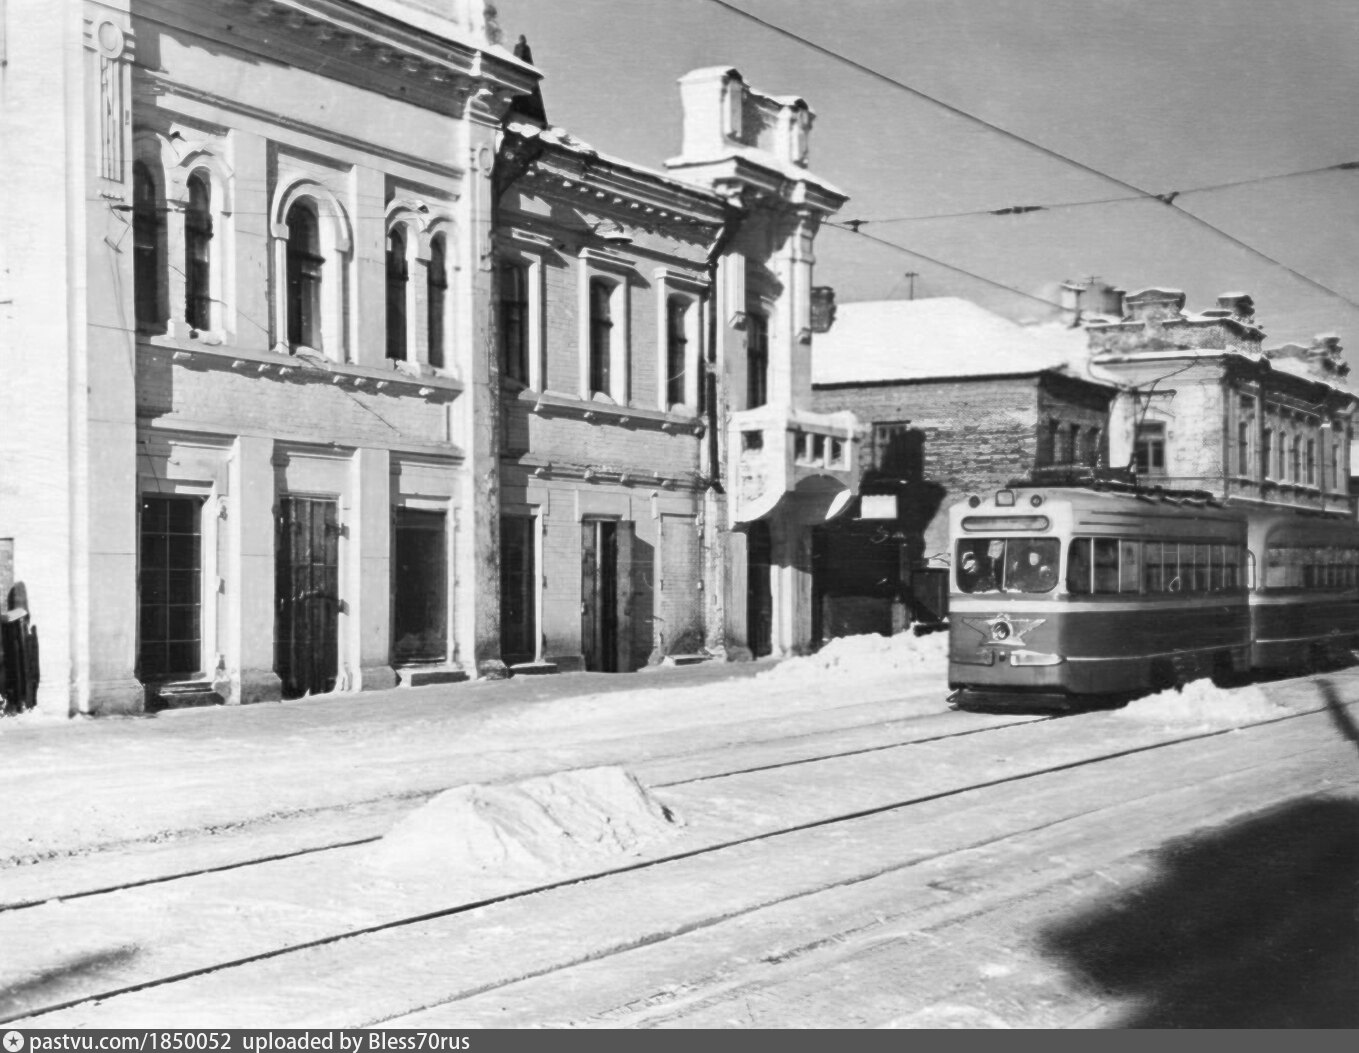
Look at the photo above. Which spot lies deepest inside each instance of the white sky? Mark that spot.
(1166, 94)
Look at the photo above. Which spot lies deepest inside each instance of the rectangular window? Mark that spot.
(676, 350)
(514, 321)
(1243, 448)
(1047, 444)
(1149, 451)
(1130, 566)
(601, 335)
(1069, 444)
(1267, 452)
(1106, 564)
(1092, 457)
(1311, 462)
(1078, 567)
(1153, 562)
(757, 360)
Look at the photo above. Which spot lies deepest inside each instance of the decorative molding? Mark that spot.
(551, 404)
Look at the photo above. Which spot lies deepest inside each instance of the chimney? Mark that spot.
(1091, 298)
(1239, 305)
(1154, 305)
(823, 308)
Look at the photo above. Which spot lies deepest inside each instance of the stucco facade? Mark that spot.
(1205, 405)
(263, 259)
(236, 448)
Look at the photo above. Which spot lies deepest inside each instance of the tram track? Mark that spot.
(413, 920)
(414, 799)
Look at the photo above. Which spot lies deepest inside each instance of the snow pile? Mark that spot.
(540, 827)
(904, 653)
(1204, 706)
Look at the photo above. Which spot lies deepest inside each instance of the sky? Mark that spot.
(1168, 95)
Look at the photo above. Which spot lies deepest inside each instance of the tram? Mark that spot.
(1304, 599)
(1063, 593)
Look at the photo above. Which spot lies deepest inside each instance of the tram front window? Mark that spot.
(999, 564)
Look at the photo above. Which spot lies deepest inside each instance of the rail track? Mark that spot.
(35, 1011)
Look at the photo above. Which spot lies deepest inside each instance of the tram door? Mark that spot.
(306, 580)
(605, 591)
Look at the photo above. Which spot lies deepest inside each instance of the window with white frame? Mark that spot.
(605, 337)
(601, 337)
(312, 246)
(436, 300)
(148, 245)
(198, 252)
(398, 283)
(305, 271)
(680, 307)
(514, 320)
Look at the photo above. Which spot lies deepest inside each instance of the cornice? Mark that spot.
(356, 44)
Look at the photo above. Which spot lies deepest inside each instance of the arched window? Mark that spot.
(437, 281)
(601, 332)
(198, 253)
(305, 263)
(148, 239)
(397, 276)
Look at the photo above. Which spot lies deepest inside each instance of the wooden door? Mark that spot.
(759, 599)
(518, 590)
(307, 595)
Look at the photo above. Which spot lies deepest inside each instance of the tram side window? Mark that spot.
(1078, 567)
(1154, 576)
(1106, 564)
(1130, 566)
(978, 564)
(1200, 576)
(1231, 566)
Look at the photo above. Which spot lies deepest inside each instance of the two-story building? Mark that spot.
(246, 298)
(660, 463)
(1205, 405)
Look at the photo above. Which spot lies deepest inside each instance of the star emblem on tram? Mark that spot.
(1003, 629)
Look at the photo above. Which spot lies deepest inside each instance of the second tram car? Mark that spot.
(1304, 599)
(1061, 593)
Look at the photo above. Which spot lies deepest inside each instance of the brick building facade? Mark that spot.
(954, 400)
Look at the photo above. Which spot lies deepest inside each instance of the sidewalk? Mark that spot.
(84, 784)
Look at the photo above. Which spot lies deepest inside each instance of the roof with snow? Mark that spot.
(888, 340)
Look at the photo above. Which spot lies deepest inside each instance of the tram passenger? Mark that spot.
(1032, 567)
(977, 565)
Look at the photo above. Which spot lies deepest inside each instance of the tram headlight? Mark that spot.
(1034, 658)
(1000, 631)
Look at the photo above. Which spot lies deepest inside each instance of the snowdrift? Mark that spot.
(903, 653)
(1203, 706)
(539, 828)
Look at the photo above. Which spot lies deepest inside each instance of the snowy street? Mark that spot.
(813, 843)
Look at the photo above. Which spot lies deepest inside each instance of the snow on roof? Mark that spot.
(938, 337)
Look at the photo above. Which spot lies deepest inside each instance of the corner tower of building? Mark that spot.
(780, 467)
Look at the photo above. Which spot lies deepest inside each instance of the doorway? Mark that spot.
(307, 595)
(518, 590)
(606, 591)
(419, 586)
(169, 594)
(759, 600)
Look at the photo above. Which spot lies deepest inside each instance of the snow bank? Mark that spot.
(542, 827)
(903, 653)
(1204, 706)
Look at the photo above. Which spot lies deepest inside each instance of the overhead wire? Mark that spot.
(1167, 199)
